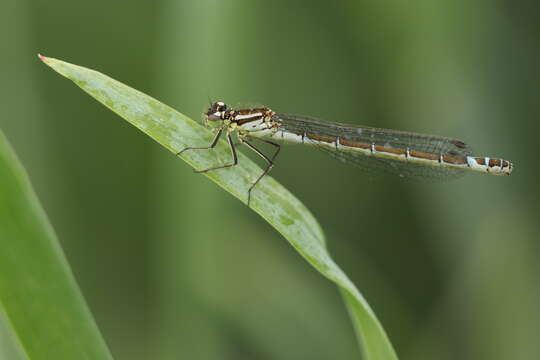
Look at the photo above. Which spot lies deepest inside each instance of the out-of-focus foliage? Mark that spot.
(42, 313)
(166, 260)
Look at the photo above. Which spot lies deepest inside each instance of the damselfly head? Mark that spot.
(216, 111)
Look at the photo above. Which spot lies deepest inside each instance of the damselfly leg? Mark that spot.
(269, 161)
(211, 146)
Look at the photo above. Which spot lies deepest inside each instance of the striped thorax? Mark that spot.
(257, 122)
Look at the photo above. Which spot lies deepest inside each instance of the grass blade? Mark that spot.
(270, 200)
(40, 302)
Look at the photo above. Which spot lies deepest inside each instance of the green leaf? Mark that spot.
(272, 201)
(41, 307)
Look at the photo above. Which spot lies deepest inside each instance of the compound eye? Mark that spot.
(220, 106)
(216, 111)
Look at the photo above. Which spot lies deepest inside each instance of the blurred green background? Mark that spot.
(173, 267)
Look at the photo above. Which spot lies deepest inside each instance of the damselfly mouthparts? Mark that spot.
(405, 154)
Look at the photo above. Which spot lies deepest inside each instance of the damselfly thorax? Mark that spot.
(406, 154)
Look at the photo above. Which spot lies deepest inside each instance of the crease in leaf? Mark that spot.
(270, 200)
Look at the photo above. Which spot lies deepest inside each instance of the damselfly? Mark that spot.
(406, 154)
